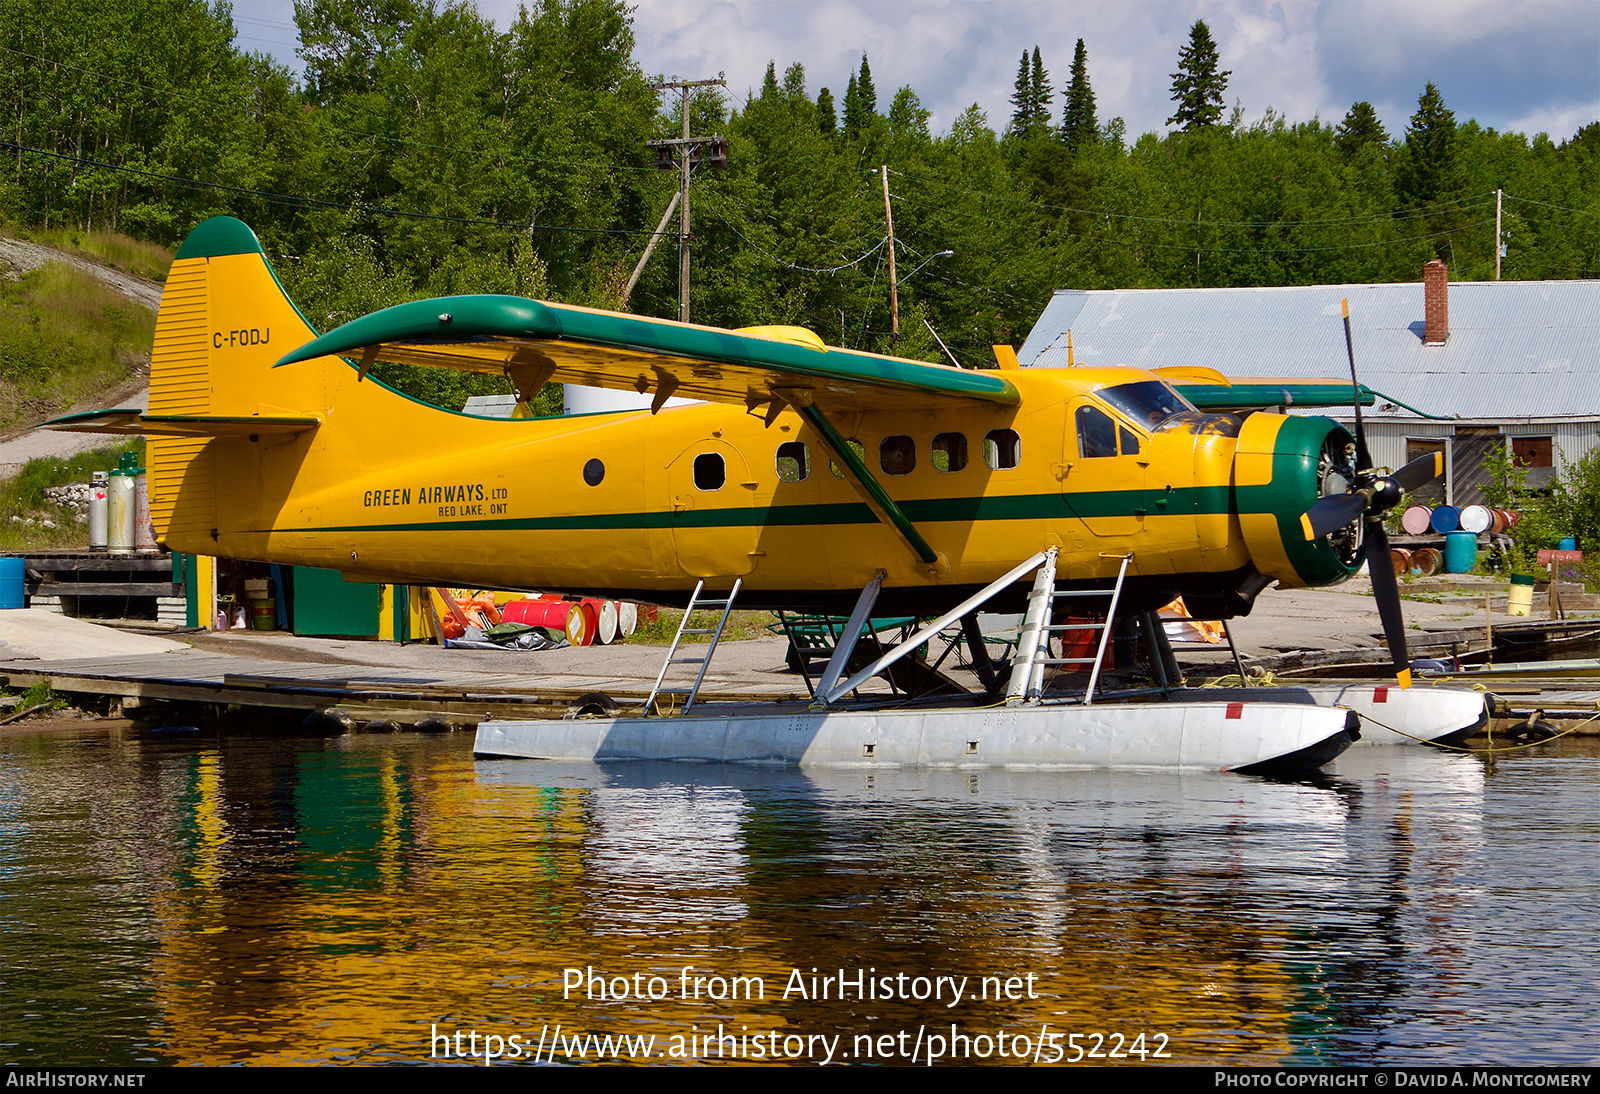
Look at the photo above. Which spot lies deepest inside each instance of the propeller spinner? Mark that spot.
(1370, 493)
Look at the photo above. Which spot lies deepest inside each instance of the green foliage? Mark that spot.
(1198, 85)
(428, 152)
(41, 695)
(1570, 507)
(63, 336)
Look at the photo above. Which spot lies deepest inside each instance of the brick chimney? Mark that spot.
(1435, 303)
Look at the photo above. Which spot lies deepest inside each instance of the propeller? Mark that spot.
(1371, 494)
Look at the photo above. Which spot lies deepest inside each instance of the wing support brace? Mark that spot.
(872, 491)
(864, 606)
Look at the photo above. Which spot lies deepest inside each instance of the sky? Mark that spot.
(1525, 66)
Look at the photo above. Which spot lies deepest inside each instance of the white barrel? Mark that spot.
(1476, 518)
(627, 618)
(99, 492)
(123, 513)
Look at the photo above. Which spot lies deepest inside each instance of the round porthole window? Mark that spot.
(593, 472)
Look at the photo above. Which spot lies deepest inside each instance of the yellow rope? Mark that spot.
(1490, 750)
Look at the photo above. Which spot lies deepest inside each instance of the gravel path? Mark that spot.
(17, 449)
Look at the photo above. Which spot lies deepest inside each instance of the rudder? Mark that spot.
(224, 321)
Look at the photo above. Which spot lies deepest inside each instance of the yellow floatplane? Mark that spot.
(809, 476)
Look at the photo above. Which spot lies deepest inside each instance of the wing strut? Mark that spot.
(872, 491)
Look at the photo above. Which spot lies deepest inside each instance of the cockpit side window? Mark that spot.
(1097, 433)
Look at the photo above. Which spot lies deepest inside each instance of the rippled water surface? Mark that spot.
(207, 899)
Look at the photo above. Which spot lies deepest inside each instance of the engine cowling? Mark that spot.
(1281, 467)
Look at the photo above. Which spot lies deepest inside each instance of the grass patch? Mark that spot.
(30, 521)
(121, 252)
(741, 626)
(65, 336)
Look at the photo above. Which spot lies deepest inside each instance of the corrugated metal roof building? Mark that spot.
(1503, 362)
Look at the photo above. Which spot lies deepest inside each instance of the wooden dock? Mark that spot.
(405, 695)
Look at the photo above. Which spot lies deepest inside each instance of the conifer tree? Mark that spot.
(1359, 129)
(1078, 126)
(827, 113)
(1198, 86)
(1021, 97)
(866, 96)
(1031, 98)
(860, 101)
(1039, 88)
(769, 82)
(1427, 170)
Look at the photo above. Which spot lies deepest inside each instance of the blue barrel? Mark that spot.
(1569, 543)
(1460, 552)
(1446, 518)
(13, 591)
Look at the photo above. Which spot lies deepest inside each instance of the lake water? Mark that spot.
(206, 899)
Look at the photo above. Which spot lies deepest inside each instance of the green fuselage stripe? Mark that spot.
(1183, 501)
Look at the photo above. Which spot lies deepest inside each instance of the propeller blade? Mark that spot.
(1363, 459)
(1420, 471)
(1330, 513)
(1386, 592)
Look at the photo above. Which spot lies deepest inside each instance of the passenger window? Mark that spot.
(794, 464)
(709, 471)
(593, 472)
(1002, 449)
(1097, 433)
(861, 453)
(897, 455)
(1129, 441)
(949, 452)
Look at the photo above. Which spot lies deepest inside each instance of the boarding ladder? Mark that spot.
(696, 603)
(1027, 672)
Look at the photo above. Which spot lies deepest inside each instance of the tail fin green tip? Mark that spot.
(220, 236)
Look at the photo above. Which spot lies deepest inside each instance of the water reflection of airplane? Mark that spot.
(1115, 481)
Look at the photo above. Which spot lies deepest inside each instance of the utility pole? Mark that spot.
(1499, 247)
(687, 152)
(894, 287)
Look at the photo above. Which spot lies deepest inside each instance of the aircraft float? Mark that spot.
(807, 476)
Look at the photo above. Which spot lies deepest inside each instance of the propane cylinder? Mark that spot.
(99, 489)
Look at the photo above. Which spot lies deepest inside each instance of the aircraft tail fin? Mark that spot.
(224, 320)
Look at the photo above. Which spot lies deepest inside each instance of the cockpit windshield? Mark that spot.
(1148, 402)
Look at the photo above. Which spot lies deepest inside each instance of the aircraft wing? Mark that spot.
(535, 343)
(1209, 389)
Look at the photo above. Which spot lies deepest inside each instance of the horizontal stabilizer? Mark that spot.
(534, 343)
(134, 422)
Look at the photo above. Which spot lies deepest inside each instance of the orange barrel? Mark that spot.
(1081, 644)
(591, 621)
(1425, 561)
(557, 615)
(605, 612)
(1502, 521)
(1475, 519)
(1513, 518)
(1416, 519)
(1401, 559)
(627, 618)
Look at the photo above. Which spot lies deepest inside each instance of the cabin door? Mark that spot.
(1106, 480)
(715, 523)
